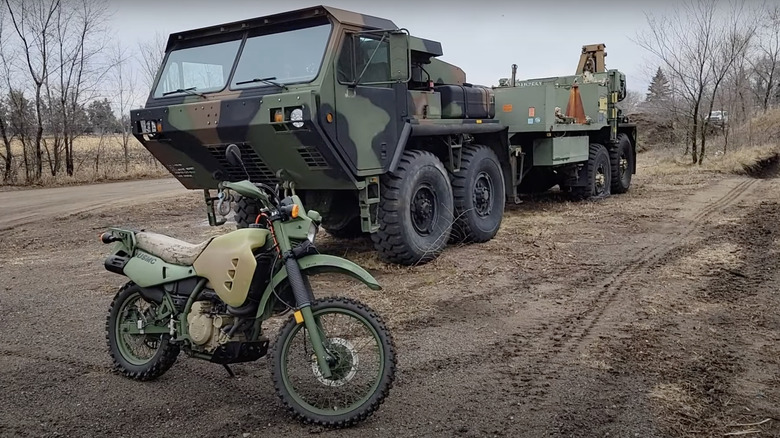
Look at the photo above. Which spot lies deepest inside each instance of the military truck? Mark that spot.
(372, 129)
(573, 134)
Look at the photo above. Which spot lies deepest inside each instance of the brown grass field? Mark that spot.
(97, 159)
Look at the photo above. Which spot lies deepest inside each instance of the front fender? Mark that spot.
(320, 264)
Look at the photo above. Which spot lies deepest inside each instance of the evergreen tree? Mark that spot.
(659, 89)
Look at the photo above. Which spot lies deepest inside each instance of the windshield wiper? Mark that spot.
(190, 90)
(269, 80)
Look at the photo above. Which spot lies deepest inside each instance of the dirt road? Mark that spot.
(650, 314)
(24, 206)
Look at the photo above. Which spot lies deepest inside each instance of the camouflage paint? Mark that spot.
(349, 133)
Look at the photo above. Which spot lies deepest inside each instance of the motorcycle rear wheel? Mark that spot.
(139, 357)
(363, 367)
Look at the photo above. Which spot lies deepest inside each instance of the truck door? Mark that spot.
(370, 108)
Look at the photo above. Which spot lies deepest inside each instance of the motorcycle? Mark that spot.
(333, 361)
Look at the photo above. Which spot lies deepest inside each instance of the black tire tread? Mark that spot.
(585, 192)
(245, 211)
(388, 240)
(383, 390)
(461, 229)
(152, 371)
(614, 159)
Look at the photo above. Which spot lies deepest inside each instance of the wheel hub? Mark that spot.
(344, 365)
(623, 165)
(423, 210)
(483, 194)
(600, 180)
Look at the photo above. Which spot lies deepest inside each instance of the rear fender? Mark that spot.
(319, 264)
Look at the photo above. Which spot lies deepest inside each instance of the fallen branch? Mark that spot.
(743, 432)
(752, 424)
(735, 273)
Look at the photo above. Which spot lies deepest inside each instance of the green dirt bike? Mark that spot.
(333, 362)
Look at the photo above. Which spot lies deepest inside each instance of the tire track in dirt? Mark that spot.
(567, 336)
(620, 280)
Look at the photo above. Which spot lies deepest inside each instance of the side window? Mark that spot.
(365, 59)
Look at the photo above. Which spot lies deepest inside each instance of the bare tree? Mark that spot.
(80, 41)
(33, 23)
(766, 65)
(696, 45)
(7, 156)
(631, 103)
(732, 43)
(124, 83)
(151, 54)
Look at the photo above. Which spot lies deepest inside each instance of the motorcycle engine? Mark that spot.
(205, 325)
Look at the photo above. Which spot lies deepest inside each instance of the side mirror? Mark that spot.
(399, 57)
(233, 155)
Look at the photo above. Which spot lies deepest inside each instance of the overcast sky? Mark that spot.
(484, 38)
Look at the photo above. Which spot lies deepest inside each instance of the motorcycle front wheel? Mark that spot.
(362, 364)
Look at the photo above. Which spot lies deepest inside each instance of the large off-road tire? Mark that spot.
(479, 196)
(622, 163)
(598, 175)
(416, 210)
(245, 211)
(363, 367)
(139, 357)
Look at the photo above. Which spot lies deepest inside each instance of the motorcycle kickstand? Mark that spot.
(227, 368)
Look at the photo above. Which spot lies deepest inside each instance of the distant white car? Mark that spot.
(719, 118)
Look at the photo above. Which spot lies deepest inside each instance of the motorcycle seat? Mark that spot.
(171, 250)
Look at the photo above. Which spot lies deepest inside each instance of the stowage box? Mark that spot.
(466, 102)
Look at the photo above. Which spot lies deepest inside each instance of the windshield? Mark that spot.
(202, 69)
(285, 57)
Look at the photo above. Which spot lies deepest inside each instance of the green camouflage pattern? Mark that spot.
(348, 134)
(539, 105)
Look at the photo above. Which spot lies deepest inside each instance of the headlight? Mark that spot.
(296, 116)
(313, 228)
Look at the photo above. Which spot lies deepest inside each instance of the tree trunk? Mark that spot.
(9, 157)
(703, 143)
(69, 156)
(38, 134)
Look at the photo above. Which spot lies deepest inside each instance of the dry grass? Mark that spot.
(666, 164)
(96, 159)
(750, 146)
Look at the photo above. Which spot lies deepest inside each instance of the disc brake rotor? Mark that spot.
(345, 366)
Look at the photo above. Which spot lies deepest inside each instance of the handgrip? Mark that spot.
(109, 238)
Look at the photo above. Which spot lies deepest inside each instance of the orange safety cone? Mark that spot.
(574, 108)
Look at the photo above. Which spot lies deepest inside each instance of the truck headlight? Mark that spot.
(313, 228)
(296, 116)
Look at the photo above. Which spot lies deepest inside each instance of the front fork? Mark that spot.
(303, 298)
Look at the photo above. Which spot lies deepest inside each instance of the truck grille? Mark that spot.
(312, 157)
(258, 171)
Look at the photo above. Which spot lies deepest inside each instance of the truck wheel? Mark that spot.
(415, 211)
(598, 175)
(245, 212)
(347, 230)
(479, 194)
(622, 163)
